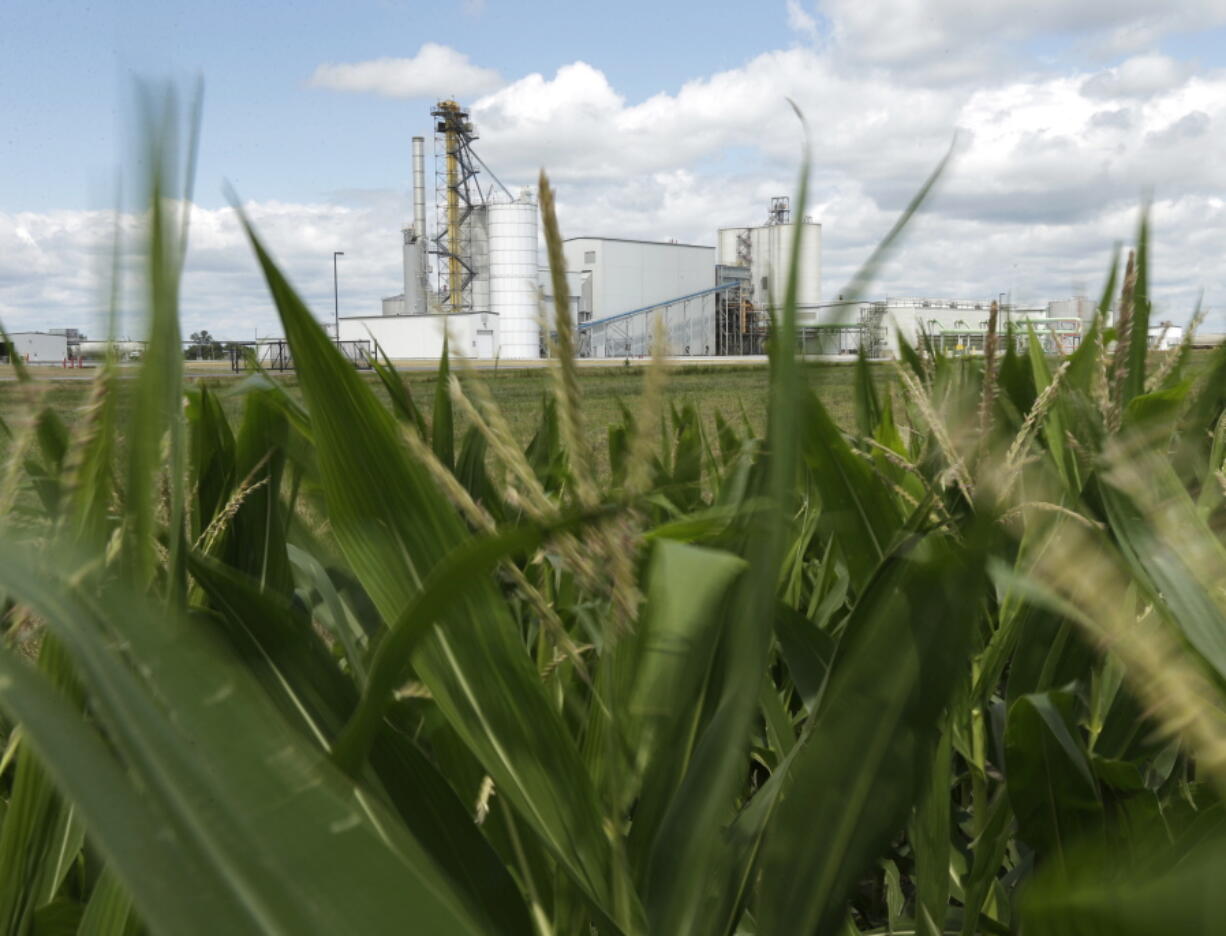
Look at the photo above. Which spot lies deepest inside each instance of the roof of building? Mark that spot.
(634, 240)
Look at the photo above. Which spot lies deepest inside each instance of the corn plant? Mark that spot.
(957, 668)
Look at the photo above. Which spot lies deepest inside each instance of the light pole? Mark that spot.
(336, 300)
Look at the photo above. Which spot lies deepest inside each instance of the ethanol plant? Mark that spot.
(485, 258)
(476, 284)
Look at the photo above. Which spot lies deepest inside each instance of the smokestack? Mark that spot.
(419, 186)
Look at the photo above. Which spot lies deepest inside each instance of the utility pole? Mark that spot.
(336, 299)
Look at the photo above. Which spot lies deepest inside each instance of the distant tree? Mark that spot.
(203, 347)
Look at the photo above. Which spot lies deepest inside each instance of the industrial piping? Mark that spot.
(421, 269)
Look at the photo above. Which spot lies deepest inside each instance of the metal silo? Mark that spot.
(773, 259)
(513, 276)
(479, 257)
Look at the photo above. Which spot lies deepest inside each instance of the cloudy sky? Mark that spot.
(654, 121)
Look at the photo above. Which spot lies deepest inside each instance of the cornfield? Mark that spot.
(958, 668)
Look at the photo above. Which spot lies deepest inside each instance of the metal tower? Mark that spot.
(781, 210)
(456, 195)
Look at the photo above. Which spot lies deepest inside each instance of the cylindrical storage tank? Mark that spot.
(479, 253)
(513, 277)
(414, 283)
(729, 238)
(776, 239)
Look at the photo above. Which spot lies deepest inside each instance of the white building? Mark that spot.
(767, 251)
(406, 337)
(1164, 336)
(579, 300)
(960, 325)
(38, 347)
(1078, 307)
(618, 276)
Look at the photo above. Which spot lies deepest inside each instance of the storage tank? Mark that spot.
(772, 258)
(767, 251)
(513, 276)
(477, 225)
(416, 267)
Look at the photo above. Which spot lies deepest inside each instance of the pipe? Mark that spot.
(419, 186)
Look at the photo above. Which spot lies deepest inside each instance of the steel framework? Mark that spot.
(457, 195)
(692, 326)
(276, 355)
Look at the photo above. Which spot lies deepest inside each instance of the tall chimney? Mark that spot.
(419, 186)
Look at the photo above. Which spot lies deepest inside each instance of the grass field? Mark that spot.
(737, 392)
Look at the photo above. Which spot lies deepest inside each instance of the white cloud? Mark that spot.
(54, 267)
(435, 71)
(954, 40)
(1140, 76)
(801, 21)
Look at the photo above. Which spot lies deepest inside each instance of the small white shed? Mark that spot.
(38, 347)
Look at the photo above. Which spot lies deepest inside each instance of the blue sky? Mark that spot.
(656, 120)
(267, 130)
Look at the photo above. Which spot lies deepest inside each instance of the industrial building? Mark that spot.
(708, 302)
(961, 325)
(617, 275)
(766, 250)
(487, 298)
(492, 298)
(36, 347)
(476, 281)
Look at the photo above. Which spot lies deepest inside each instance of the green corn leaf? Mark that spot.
(109, 911)
(262, 826)
(176, 893)
(257, 541)
(441, 591)
(470, 472)
(729, 440)
(304, 682)
(1050, 781)
(393, 527)
(857, 509)
(310, 574)
(39, 838)
(157, 405)
(687, 854)
(932, 842)
(1184, 573)
(671, 658)
(868, 403)
(1138, 344)
(1056, 421)
(1099, 892)
(442, 433)
(989, 849)
(872, 738)
(92, 482)
(807, 650)
(1198, 424)
(212, 456)
(402, 400)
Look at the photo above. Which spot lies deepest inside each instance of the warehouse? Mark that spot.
(617, 275)
(37, 347)
(705, 301)
(471, 334)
